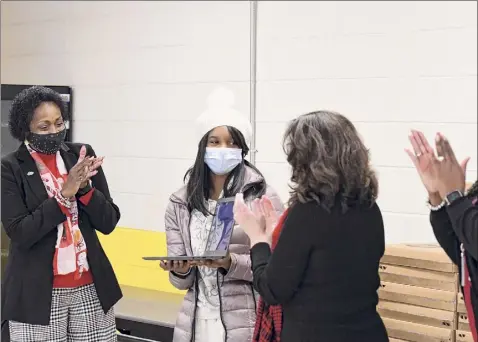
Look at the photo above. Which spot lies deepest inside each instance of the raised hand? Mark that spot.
(251, 221)
(77, 175)
(423, 158)
(450, 174)
(271, 216)
(96, 163)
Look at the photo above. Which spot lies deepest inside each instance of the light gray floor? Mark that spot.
(148, 306)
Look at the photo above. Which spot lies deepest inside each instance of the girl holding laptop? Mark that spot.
(220, 304)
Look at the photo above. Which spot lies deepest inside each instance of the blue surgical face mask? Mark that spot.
(222, 160)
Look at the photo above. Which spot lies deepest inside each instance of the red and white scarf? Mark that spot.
(70, 249)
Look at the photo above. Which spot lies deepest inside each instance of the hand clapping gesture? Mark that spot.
(451, 175)
(259, 221)
(80, 174)
(440, 173)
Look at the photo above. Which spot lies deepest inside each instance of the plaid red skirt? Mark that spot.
(269, 323)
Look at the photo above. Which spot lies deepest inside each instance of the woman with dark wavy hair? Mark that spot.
(324, 269)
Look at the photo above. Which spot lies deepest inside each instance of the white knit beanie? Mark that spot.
(220, 112)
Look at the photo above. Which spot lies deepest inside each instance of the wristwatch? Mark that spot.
(453, 196)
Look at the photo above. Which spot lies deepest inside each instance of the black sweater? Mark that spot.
(456, 225)
(324, 273)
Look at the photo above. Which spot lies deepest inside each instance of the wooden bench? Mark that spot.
(147, 314)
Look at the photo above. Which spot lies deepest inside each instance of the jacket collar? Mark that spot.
(30, 170)
(250, 177)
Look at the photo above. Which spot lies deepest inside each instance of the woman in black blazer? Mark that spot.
(58, 283)
(324, 268)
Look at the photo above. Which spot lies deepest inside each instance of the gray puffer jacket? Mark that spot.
(237, 298)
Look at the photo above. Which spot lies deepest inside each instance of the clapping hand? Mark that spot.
(441, 173)
(259, 221)
(423, 158)
(271, 216)
(80, 173)
(450, 173)
(94, 164)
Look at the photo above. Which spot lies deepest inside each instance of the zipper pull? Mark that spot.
(463, 265)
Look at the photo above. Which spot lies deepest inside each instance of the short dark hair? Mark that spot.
(198, 177)
(330, 163)
(24, 105)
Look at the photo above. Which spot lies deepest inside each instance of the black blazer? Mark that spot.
(324, 273)
(455, 225)
(30, 219)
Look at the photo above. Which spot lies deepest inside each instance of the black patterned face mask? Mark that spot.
(47, 143)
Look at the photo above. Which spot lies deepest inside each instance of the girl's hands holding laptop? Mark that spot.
(183, 267)
(220, 263)
(176, 266)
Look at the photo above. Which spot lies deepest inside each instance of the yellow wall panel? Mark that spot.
(125, 248)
